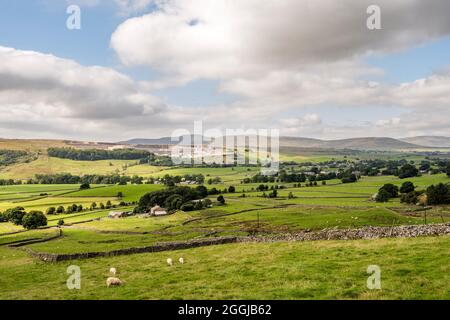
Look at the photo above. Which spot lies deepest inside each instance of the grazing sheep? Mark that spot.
(181, 260)
(113, 271)
(169, 262)
(113, 282)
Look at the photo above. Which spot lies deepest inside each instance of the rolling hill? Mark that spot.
(429, 141)
(371, 143)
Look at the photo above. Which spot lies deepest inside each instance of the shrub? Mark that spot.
(34, 220)
(60, 222)
(439, 194)
(408, 171)
(231, 189)
(348, 179)
(407, 187)
(221, 199)
(207, 203)
(85, 186)
(60, 210)
(273, 194)
(410, 197)
(391, 190)
(213, 191)
(188, 206)
(173, 202)
(15, 215)
(202, 191)
(50, 211)
(3, 217)
(382, 196)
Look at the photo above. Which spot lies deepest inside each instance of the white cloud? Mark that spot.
(305, 121)
(223, 39)
(59, 94)
(282, 55)
(127, 7)
(388, 122)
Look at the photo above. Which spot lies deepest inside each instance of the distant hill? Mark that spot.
(429, 141)
(149, 142)
(160, 141)
(356, 143)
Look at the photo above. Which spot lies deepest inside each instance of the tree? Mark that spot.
(119, 195)
(173, 202)
(202, 191)
(447, 170)
(34, 220)
(3, 217)
(349, 178)
(273, 194)
(93, 205)
(382, 196)
(439, 194)
(408, 171)
(221, 199)
(189, 206)
(102, 206)
(79, 208)
(407, 187)
(15, 215)
(108, 204)
(85, 186)
(51, 210)
(391, 190)
(290, 195)
(231, 189)
(411, 197)
(60, 222)
(60, 210)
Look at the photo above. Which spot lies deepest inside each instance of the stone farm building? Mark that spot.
(158, 211)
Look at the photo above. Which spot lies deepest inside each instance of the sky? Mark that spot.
(145, 68)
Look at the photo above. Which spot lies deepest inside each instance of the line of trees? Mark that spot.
(29, 220)
(8, 157)
(97, 154)
(178, 198)
(67, 178)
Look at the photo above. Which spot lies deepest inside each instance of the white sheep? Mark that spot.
(113, 282)
(169, 262)
(181, 260)
(113, 271)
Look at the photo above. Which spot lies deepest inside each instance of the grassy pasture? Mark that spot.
(43, 203)
(130, 192)
(411, 269)
(50, 165)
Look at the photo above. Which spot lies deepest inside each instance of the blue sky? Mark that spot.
(39, 25)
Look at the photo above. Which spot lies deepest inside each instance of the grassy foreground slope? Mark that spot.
(410, 269)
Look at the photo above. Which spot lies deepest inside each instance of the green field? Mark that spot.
(410, 269)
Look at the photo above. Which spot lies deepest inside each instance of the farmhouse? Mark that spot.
(117, 214)
(158, 211)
